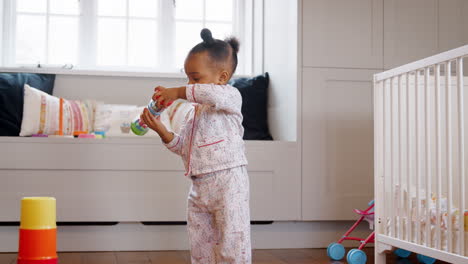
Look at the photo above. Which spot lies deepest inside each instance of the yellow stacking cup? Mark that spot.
(38, 213)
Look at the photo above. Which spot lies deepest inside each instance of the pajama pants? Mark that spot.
(219, 217)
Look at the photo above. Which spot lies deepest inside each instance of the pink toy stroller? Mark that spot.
(336, 251)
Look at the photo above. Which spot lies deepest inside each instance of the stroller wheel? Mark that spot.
(425, 259)
(356, 256)
(336, 251)
(402, 253)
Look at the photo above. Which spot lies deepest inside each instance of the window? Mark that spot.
(127, 32)
(191, 15)
(46, 31)
(150, 35)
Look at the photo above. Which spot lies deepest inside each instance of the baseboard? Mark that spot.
(137, 237)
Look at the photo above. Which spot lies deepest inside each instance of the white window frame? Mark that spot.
(243, 22)
(1, 32)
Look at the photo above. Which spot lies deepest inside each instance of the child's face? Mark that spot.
(199, 69)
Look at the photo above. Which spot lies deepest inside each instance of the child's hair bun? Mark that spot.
(234, 43)
(206, 36)
(220, 51)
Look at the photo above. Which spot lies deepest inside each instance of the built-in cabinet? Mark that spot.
(453, 24)
(133, 179)
(410, 31)
(337, 32)
(420, 28)
(343, 44)
(337, 139)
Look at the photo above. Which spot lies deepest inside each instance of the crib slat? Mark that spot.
(392, 164)
(428, 174)
(384, 161)
(449, 164)
(418, 162)
(378, 161)
(461, 154)
(409, 174)
(400, 171)
(438, 155)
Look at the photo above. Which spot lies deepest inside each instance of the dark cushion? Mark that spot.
(12, 98)
(254, 93)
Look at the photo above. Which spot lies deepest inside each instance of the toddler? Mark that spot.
(211, 146)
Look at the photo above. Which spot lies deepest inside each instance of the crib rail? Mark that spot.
(420, 173)
(421, 64)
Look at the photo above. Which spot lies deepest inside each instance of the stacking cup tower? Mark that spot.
(38, 231)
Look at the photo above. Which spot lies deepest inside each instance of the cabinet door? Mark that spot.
(411, 29)
(453, 24)
(337, 135)
(342, 33)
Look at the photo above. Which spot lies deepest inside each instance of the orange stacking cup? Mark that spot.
(38, 231)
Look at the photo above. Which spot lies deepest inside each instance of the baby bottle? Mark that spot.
(138, 127)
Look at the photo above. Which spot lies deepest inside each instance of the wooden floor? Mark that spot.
(273, 256)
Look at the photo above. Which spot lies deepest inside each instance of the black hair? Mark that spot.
(220, 51)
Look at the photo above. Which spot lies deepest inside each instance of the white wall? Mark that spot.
(111, 89)
(280, 61)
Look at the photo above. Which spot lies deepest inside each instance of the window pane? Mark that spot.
(111, 41)
(63, 40)
(189, 9)
(220, 30)
(112, 7)
(219, 10)
(142, 43)
(65, 7)
(143, 8)
(36, 6)
(187, 36)
(30, 39)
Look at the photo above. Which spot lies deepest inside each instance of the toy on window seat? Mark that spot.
(125, 127)
(100, 134)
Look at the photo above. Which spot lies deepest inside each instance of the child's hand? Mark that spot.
(155, 124)
(151, 121)
(166, 96)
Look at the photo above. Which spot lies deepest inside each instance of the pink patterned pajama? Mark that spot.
(212, 149)
(219, 217)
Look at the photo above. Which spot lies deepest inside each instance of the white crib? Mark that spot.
(420, 163)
